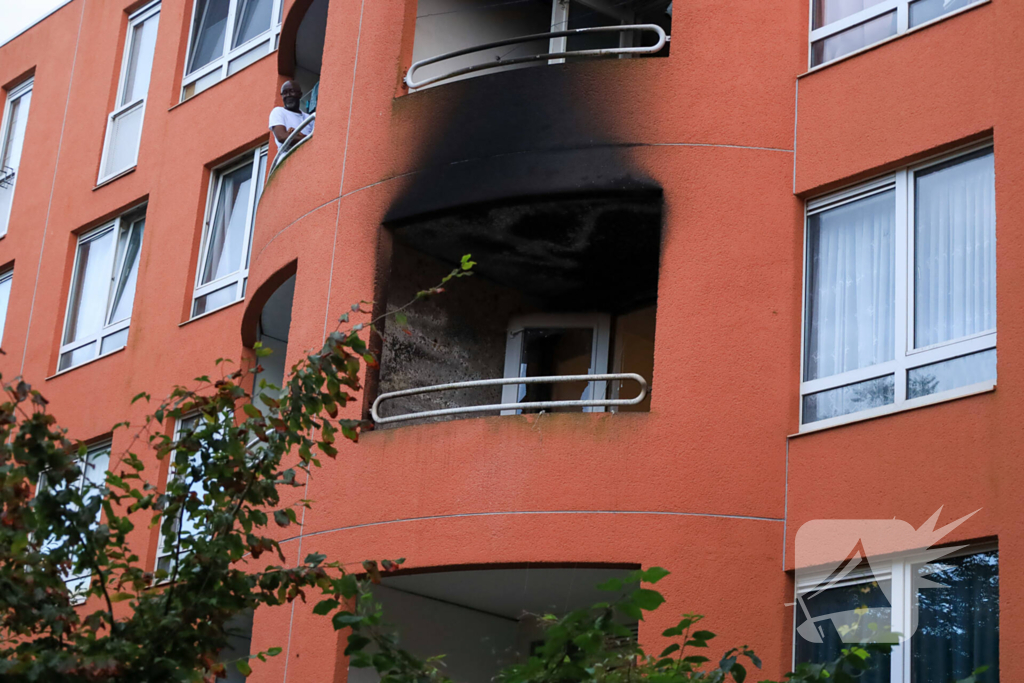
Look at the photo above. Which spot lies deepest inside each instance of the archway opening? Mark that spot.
(272, 330)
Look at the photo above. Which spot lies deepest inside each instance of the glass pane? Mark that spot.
(15, 133)
(851, 276)
(124, 285)
(853, 39)
(123, 144)
(957, 622)
(214, 300)
(113, 342)
(852, 398)
(955, 250)
(828, 11)
(211, 17)
(549, 352)
(224, 244)
(261, 175)
(5, 297)
(253, 18)
(140, 60)
(831, 617)
(951, 374)
(926, 10)
(248, 57)
(90, 288)
(77, 357)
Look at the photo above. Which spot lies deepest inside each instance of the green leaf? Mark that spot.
(281, 517)
(325, 606)
(739, 673)
(402, 319)
(703, 635)
(121, 597)
(243, 667)
(251, 410)
(610, 585)
(343, 619)
(274, 651)
(647, 599)
(655, 574)
(669, 650)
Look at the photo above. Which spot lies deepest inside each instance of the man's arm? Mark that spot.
(282, 133)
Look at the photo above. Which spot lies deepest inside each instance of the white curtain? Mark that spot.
(828, 11)
(850, 293)
(955, 251)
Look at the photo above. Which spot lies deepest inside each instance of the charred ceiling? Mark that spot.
(585, 252)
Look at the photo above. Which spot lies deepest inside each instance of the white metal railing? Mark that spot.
(286, 147)
(603, 52)
(533, 405)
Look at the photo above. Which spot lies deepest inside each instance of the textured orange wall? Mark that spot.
(707, 484)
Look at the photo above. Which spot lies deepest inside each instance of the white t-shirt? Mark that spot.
(279, 116)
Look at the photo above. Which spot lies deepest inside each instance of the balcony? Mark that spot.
(458, 39)
(559, 318)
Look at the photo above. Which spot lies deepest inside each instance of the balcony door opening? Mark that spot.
(272, 332)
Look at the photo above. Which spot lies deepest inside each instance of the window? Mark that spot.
(12, 137)
(5, 298)
(226, 37)
(900, 291)
(227, 237)
(94, 472)
(839, 27)
(547, 345)
(102, 290)
(124, 125)
(187, 526)
(957, 627)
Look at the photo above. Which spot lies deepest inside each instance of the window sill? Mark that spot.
(209, 313)
(225, 80)
(107, 181)
(913, 404)
(82, 365)
(910, 31)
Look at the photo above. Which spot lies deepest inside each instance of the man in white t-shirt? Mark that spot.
(283, 120)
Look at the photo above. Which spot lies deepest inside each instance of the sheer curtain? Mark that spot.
(958, 624)
(955, 251)
(851, 288)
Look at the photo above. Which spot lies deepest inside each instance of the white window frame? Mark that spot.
(150, 11)
(227, 64)
(906, 356)
(160, 554)
(13, 94)
(902, 8)
(599, 349)
(898, 568)
(123, 222)
(77, 585)
(5, 277)
(258, 159)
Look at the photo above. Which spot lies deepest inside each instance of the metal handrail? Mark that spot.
(285, 148)
(555, 379)
(651, 49)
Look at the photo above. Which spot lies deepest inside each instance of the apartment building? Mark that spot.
(770, 228)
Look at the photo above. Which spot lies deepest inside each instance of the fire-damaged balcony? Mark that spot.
(461, 38)
(560, 317)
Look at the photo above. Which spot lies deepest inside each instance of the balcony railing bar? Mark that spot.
(603, 52)
(533, 405)
(287, 147)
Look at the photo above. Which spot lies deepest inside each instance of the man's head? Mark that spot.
(291, 92)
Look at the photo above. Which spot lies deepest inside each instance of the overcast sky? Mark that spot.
(15, 15)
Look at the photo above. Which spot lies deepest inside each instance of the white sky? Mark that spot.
(16, 15)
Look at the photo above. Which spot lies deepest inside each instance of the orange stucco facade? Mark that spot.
(715, 480)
